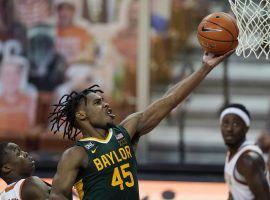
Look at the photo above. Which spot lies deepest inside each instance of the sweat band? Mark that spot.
(237, 112)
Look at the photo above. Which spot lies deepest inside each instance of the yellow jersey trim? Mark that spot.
(79, 188)
(106, 140)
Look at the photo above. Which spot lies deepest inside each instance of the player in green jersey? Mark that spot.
(102, 165)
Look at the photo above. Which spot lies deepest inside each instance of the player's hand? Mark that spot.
(211, 60)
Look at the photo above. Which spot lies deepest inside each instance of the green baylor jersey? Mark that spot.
(111, 173)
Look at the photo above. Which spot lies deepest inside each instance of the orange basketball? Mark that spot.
(217, 33)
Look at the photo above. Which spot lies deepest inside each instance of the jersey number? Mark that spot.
(121, 173)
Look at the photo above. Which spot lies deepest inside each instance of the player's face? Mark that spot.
(20, 162)
(233, 130)
(65, 14)
(98, 111)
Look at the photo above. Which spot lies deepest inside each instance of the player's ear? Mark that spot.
(246, 129)
(6, 169)
(80, 115)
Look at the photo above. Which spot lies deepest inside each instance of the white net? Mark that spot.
(253, 20)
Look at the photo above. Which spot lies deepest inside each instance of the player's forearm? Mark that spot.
(182, 89)
(151, 117)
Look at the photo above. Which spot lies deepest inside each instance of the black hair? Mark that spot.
(64, 112)
(3, 153)
(239, 106)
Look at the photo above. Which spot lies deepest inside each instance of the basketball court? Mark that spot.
(160, 190)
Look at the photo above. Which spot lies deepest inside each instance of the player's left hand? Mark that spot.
(211, 60)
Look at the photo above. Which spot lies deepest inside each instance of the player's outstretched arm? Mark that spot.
(67, 170)
(143, 122)
(35, 188)
(251, 165)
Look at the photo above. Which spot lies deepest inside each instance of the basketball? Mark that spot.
(217, 33)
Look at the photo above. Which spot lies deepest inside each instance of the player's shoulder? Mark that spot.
(74, 152)
(249, 161)
(120, 131)
(34, 188)
(35, 181)
(130, 123)
(74, 155)
(250, 157)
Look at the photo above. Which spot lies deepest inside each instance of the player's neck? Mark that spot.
(95, 133)
(13, 179)
(235, 148)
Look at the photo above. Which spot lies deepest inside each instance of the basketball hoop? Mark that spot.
(253, 20)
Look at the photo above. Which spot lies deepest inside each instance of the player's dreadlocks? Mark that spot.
(64, 112)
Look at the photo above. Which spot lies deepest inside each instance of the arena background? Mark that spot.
(134, 50)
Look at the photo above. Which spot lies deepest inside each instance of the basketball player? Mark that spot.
(102, 164)
(245, 169)
(17, 168)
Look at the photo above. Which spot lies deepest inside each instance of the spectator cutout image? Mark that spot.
(17, 97)
(32, 12)
(74, 42)
(13, 38)
(46, 72)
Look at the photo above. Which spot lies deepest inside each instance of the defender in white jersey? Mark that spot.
(245, 170)
(12, 191)
(16, 168)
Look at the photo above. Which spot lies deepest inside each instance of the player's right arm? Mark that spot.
(67, 170)
(252, 166)
(143, 122)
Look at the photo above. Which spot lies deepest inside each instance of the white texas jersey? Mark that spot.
(236, 182)
(12, 191)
